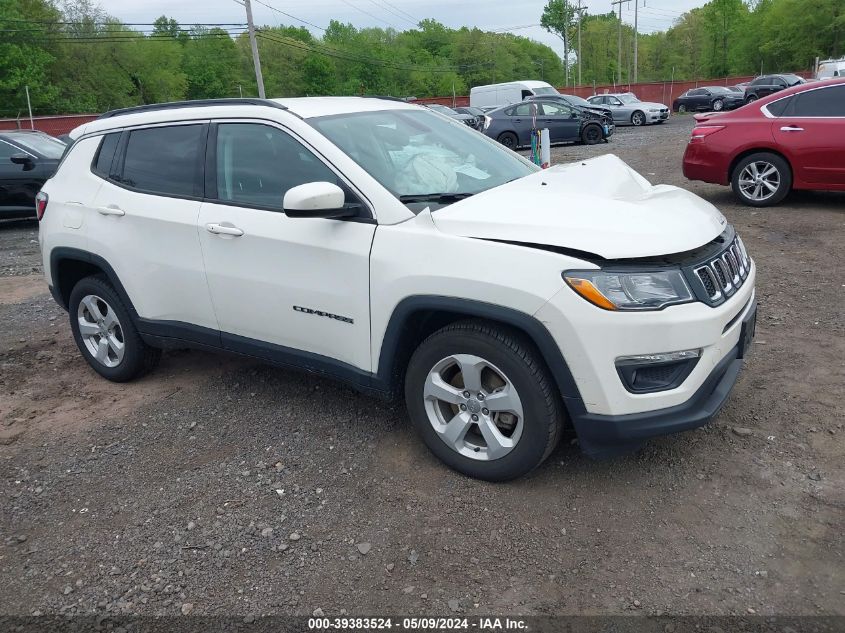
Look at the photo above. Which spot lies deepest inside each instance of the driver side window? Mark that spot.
(7, 151)
(613, 101)
(257, 164)
(556, 109)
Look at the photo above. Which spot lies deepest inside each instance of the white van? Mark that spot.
(830, 68)
(507, 93)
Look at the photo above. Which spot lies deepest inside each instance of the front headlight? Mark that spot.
(630, 290)
(654, 109)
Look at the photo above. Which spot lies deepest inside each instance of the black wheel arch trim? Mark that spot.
(64, 253)
(470, 308)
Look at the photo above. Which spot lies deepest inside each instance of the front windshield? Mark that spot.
(628, 99)
(413, 152)
(44, 145)
(545, 91)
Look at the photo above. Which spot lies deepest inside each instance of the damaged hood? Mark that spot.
(599, 206)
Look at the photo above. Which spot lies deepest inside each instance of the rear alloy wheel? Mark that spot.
(682, 108)
(751, 98)
(638, 118)
(105, 334)
(483, 400)
(761, 180)
(591, 135)
(508, 139)
(718, 104)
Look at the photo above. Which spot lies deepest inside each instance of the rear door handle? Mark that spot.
(791, 128)
(220, 229)
(111, 211)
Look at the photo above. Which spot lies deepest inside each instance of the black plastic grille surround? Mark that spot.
(721, 276)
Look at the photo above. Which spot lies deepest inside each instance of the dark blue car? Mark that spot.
(512, 125)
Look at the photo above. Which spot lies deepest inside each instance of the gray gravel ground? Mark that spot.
(222, 486)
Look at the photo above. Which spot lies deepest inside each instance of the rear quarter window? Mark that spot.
(105, 155)
(779, 108)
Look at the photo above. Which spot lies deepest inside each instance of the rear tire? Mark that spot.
(591, 134)
(751, 99)
(682, 109)
(761, 180)
(508, 139)
(105, 333)
(511, 420)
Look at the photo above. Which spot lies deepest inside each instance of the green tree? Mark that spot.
(559, 18)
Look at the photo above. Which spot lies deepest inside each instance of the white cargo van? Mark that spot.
(828, 69)
(511, 92)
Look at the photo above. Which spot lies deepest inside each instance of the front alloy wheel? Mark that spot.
(638, 118)
(482, 399)
(473, 407)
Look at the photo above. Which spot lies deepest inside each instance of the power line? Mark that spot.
(292, 17)
(357, 8)
(416, 20)
(330, 52)
(398, 15)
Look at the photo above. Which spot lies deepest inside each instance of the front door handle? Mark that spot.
(220, 229)
(111, 210)
(791, 128)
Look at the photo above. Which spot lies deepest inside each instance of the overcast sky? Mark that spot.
(401, 14)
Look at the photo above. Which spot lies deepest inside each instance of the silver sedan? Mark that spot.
(628, 110)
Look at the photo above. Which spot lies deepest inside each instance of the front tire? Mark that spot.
(591, 134)
(761, 180)
(105, 333)
(483, 401)
(638, 118)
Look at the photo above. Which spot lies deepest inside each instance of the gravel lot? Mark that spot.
(218, 485)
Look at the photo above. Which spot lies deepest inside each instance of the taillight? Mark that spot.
(699, 133)
(40, 204)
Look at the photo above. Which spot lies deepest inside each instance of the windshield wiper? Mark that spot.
(435, 197)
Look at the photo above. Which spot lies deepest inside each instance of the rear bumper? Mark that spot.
(702, 163)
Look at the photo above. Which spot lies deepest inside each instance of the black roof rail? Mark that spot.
(172, 105)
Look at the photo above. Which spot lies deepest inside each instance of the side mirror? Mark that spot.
(317, 200)
(25, 160)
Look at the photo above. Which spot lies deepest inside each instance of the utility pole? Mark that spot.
(580, 15)
(636, 6)
(29, 107)
(256, 61)
(619, 45)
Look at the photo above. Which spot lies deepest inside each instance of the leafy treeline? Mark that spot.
(76, 58)
(723, 37)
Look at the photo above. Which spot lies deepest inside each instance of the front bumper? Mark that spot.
(608, 435)
(656, 117)
(605, 413)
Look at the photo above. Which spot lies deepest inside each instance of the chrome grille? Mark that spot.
(723, 275)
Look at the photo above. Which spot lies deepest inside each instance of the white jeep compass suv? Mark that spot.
(386, 245)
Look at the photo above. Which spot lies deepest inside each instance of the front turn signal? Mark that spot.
(586, 289)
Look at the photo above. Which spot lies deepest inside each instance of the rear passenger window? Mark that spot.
(164, 160)
(822, 102)
(257, 164)
(105, 155)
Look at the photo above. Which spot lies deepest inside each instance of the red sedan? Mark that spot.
(793, 139)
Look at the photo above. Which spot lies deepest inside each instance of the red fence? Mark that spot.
(54, 125)
(659, 91)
